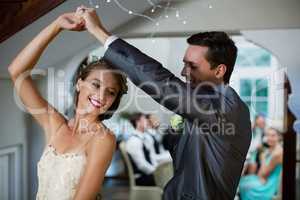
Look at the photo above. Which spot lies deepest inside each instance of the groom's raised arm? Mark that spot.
(163, 86)
(153, 78)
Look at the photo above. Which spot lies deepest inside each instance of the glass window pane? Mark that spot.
(261, 108)
(245, 87)
(254, 56)
(263, 58)
(261, 87)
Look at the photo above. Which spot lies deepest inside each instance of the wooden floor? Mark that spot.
(115, 189)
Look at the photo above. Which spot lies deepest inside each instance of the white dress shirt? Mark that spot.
(134, 147)
(109, 40)
(164, 156)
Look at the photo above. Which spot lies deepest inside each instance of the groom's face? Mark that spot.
(196, 68)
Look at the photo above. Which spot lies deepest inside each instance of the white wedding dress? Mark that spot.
(59, 174)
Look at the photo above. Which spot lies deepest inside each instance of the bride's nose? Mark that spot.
(101, 95)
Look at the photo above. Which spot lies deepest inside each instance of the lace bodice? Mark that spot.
(59, 174)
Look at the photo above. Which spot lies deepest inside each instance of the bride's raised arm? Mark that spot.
(25, 61)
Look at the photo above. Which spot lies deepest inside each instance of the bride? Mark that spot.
(78, 151)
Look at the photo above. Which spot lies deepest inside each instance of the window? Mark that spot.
(253, 56)
(254, 92)
(255, 78)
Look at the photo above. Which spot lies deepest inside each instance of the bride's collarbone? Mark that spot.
(66, 141)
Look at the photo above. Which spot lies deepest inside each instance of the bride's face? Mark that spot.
(97, 92)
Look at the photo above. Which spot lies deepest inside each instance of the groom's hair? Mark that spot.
(221, 50)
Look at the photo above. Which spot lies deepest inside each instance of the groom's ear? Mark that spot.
(220, 71)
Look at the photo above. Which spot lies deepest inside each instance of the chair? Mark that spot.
(163, 174)
(138, 192)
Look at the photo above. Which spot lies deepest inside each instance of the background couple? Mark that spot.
(207, 165)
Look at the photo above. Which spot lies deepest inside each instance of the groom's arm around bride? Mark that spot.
(217, 131)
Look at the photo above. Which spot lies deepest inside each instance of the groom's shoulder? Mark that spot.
(234, 101)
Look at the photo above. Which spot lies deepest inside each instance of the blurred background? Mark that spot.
(266, 76)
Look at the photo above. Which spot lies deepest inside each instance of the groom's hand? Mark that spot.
(92, 23)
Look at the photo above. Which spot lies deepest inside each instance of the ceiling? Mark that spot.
(16, 14)
(229, 15)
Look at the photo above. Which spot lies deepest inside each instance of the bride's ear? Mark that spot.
(78, 84)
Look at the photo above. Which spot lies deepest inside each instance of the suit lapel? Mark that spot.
(181, 146)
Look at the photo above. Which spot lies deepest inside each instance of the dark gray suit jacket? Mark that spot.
(209, 157)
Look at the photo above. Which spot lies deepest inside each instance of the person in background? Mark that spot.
(264, 185)
(256, 144)
(154, 140)
(141, 156)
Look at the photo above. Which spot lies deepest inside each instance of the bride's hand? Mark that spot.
(92, 21)
(70, 21)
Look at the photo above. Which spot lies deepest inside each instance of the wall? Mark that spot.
(13, 126)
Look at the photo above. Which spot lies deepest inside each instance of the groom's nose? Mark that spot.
(185, 72)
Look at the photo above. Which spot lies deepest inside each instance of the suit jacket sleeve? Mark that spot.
(163, 86)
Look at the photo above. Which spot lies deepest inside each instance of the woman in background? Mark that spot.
(78, 151)
(256, 145)
(264, 185)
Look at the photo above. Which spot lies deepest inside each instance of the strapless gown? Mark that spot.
(59, 174)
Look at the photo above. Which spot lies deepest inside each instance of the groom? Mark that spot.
(209, 157)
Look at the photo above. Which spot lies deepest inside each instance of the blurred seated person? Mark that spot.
(142, 158)
(264, 185)
(154, 140)
(256, 144)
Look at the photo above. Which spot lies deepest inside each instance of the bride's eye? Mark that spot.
(96, 85)
(112, 93)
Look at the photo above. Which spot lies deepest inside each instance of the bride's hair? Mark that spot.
(83, 72)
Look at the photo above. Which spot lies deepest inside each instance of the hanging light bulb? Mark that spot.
(107, 1)
(130, 12)
(210, 6)
(97, 6)
(153, 10)
(184, 22)
(177, 14)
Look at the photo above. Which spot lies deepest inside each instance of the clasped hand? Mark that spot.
(83, 19)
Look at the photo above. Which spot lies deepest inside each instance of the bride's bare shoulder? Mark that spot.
(102, 139)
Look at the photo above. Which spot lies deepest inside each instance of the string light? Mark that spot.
(153, 9)
(177, 14)
(210, 6)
